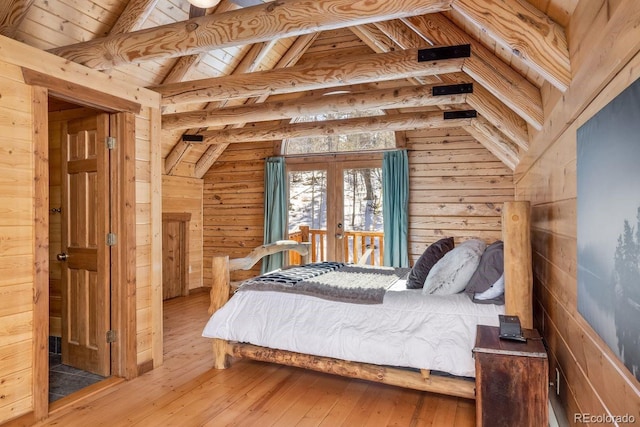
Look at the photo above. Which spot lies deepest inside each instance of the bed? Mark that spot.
(387, 345)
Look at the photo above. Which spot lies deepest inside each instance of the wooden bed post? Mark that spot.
(518, 275)
(219, 296)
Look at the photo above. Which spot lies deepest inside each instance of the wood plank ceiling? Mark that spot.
(240, 71)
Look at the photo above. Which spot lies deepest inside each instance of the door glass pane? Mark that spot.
(308, 210)
(362, 222)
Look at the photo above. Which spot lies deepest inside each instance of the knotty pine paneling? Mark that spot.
(185, 195)
(233, 202)
(456, 188)
(148, 237)
(592, 379)
(16, 269)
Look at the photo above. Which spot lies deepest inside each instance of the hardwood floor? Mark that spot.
(185, 391)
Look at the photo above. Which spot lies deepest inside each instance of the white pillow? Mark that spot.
(493, 292)
(451, 274)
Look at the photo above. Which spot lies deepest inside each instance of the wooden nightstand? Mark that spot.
(511, 380)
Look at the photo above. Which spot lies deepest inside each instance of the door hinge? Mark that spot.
(112, 239)
(111, 336)
(111, 142)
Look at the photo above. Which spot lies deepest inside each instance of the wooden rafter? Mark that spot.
(501, 147)
(249, 62)
(330, 73)
(390, 122)
(178, 72)
(527, 32)
(185, 63)
(485, 104)
(486, 68)
(284, 18)
(483, 100)
(289, 59)
(133, 16)
(384, 99)
(12, 12)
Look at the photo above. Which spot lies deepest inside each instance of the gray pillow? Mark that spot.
(489, 270)
(452, 273)
(427, 260)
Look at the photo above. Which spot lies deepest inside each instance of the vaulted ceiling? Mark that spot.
(239, 71)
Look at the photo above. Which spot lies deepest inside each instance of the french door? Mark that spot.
(336, 203)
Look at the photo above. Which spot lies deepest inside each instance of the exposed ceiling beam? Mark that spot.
(289, 59)
(12, 12)
(390, 122)
(184, 64)
(485, 67)
(207, 159)
(178, 72)
(133, 16)
(381, 99)
(495, 142)
(496, 112)
(249, 62)
(283, 18)
(488, 105)
(332, 72)
(527, 32)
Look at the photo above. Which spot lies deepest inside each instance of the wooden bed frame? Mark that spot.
(518, 301)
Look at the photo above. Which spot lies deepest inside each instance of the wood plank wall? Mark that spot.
(456, 188)
(180, 195)
(604, 41)
(233, 201)
(147, 223)
(16, 244)
(17, 240)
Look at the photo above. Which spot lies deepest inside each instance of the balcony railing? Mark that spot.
(355, 244)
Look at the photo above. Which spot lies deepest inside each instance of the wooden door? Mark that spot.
(175, 254)
(86, 257)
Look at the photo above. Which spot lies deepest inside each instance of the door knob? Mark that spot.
(62, 257)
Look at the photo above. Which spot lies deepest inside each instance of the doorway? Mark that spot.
(90, 217)
(80, 281)
(175, 254)
(336, 203)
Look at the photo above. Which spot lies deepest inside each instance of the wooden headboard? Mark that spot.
(518, 271)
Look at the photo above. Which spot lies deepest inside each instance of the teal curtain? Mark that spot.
(275, 209)
(395, 204)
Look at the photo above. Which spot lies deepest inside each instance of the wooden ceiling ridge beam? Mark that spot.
(526, 31)
(404, 97)
(284, 18)
(485, 67)
(289, 59)
(329, 73)
(389, 122)
(12, 12)
(487, 134)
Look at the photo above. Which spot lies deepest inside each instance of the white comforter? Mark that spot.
(409, 329)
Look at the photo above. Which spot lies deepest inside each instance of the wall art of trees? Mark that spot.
(608, 225)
